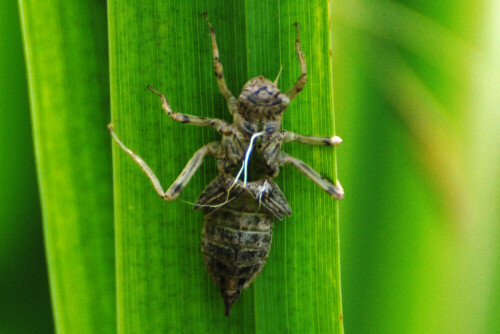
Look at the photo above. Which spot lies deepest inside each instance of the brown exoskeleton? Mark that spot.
(237, 231)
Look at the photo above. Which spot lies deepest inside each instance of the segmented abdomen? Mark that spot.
(235, 247)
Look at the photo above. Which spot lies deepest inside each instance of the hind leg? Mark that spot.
(192, 166)
(334, 191)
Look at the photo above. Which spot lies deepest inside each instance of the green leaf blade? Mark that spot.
(162, 282)
(65, 46)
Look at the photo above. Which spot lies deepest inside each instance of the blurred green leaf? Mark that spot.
(25, 302)
(421, 102)
(66, 52)
(162, 283)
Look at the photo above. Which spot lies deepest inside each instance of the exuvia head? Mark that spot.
(261, 98)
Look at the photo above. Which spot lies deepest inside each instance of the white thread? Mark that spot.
(244, 167)
(211, 206)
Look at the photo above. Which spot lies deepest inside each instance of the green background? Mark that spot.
(417, 104)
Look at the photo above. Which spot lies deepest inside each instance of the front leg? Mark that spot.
(218, 124)
(335, 191)
(301, 81)
(192, 166)
(219, 73)
(310, 140)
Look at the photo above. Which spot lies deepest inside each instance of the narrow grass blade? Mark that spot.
(66, 53)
